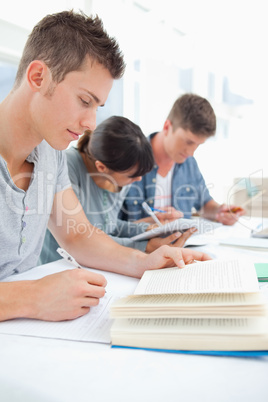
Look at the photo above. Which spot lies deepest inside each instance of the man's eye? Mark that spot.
(84, 102)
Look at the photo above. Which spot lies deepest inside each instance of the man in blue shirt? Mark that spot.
(176, 180)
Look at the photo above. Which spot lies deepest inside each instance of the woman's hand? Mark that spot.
(177, 239)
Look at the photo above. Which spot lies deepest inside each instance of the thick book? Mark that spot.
(212, 305)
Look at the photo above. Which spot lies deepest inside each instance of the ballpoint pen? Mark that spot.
(151, 213)
(158, 210)
(68, 257)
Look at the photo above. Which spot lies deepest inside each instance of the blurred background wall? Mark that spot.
(214, 48)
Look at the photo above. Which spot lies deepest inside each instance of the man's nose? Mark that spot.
(88, 121)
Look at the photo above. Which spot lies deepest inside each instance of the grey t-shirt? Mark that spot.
(100, 206)
(25, 214)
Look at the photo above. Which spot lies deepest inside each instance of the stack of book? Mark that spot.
(208, 306)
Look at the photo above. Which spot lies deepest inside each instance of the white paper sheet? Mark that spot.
(213, 276)
(92, 327)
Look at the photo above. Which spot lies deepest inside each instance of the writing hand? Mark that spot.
(169, 215)
(228, 215)
(66, 295)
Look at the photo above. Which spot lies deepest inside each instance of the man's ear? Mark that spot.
(101, 168)
(37, 75)
(167, 126)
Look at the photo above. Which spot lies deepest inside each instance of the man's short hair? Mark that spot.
(63, 40)
(194, 113)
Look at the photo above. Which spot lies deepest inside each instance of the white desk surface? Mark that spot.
(50, 370)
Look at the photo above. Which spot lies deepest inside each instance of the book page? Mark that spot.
(225, 276)
(221, 326)
(190, 300)
(205, 305)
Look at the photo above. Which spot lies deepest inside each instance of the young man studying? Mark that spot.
(176, 181)
(66, 72)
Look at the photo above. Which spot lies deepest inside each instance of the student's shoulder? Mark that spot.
(71, 152)
(190, 163)
(74, 158)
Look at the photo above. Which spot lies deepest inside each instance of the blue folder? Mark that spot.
(238, 353)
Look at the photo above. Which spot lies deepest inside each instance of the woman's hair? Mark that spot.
(120, 145)
(63, 41)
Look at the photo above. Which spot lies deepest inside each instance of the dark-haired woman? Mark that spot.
(101, 168)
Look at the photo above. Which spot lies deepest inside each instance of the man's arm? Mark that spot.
(61, 296)
(93, 248)
(71, 293)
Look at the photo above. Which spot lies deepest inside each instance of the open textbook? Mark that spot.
(213, 305)
(204, 226)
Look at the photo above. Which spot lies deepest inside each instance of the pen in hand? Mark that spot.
(151, 213)
(63, 253)
(69, 258)
(244, 204)
(158, 210)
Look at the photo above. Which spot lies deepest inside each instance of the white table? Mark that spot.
(40, 369)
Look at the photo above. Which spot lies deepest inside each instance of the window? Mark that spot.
(7, 76)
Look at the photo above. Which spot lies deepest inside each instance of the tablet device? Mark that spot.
(179, 225)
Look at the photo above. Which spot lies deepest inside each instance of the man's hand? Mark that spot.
(177, 239)
(169, 215)
(68, 294)
(166, 256)
(228, 215)
(61, 296)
